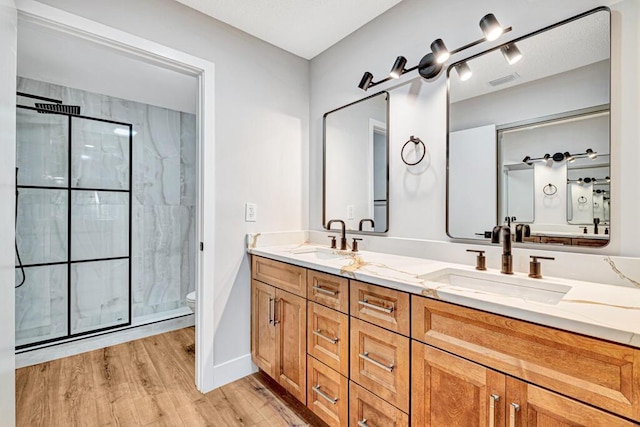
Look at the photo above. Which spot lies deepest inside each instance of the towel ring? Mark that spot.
(550, 189)
(416, 141)
(582, 200)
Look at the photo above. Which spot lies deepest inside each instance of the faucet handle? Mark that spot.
(333, 241)
(534, 266)
(481, 260)
(354, 246)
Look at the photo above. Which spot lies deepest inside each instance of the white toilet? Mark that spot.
(191, 301)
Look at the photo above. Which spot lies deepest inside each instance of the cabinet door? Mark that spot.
(368, 410)
(449, 391)
(291, 342)
(263, 330)
(328, 337)
(380, 362)
(531, 406)
(328, 393)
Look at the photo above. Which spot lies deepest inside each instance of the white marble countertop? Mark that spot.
(598, 310)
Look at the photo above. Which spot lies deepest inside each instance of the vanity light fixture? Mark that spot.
(511, 53)
(432, 63)
(589, 180)
(568, 157)
(491, 27)
(398, 67)
(559, 157)
(440, 51)
(464, 71)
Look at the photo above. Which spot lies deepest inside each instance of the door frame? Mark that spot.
(204, 71)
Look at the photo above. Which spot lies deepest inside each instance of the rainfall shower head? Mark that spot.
(58, 108)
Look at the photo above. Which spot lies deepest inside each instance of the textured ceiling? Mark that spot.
(303, 27)
(567, 47)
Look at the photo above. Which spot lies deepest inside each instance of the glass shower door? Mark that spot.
(100, 223)
(72, 226)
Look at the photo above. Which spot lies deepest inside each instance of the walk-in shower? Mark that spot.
(105, 227)
(73, 221)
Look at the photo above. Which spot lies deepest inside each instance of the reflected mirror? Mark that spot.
(529, 137)
(356, 167)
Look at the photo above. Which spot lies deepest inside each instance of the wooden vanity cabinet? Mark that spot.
(451, 391)
(279, 329)
(600, 373)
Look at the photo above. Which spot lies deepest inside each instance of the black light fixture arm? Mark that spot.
(428, 67)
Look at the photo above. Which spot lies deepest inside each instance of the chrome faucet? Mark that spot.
(343, 238)
(362, 221)
(507, 259)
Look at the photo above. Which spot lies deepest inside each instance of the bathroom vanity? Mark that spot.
(371, 339)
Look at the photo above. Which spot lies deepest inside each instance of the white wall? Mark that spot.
(8, 33)
(261, 139)
(417, 202)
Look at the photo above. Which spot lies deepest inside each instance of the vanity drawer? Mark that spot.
(329, 290)
(327, 393)
(598, 372)
(281, 275)
(368, 409)
(380, 362)
(328, 337)
(384, 307)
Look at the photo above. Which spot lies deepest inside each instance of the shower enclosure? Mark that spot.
(73, 222)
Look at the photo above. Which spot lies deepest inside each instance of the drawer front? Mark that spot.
(368, 410)
(329, 290)
(281, 275)
(327, 393)
(380, 362)
(601, 373)
(328, 337)
(384, 307)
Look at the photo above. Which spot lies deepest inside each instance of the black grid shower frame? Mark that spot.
(70, 262)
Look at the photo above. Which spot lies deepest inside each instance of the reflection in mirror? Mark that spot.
(534, 132)
(356, 167)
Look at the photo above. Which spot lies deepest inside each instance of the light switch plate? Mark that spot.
(250, 212)
(350, 209)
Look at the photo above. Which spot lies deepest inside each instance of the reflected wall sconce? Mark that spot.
(591, 180)
(559, 157)
(432, 63)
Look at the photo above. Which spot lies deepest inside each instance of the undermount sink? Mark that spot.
(520, 287)
(317, 252)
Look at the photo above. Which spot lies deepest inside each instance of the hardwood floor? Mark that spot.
(148, 382)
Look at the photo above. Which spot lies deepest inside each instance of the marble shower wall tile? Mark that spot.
(164, 190)
(41, 304)
(41, 227)
(42, 148)
(99, 294)
(99, 224)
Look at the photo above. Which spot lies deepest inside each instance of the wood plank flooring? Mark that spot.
(148, 382)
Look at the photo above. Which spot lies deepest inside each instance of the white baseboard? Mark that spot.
(58, 351)
(232, 370)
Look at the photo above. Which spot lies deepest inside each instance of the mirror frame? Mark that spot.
(324, 164)
(542, 246)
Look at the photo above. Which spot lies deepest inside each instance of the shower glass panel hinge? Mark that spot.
(201, 246)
